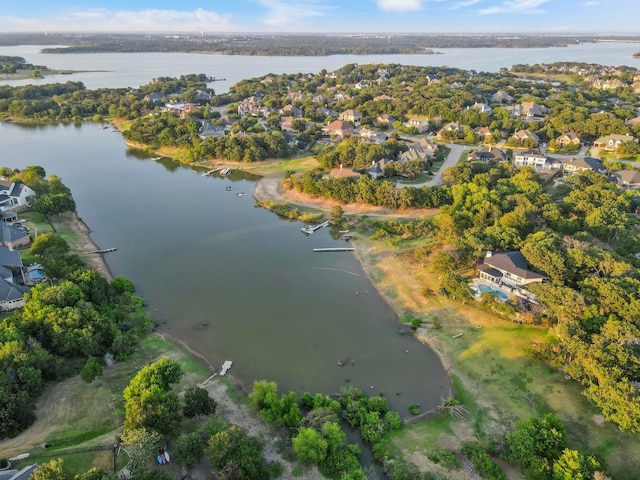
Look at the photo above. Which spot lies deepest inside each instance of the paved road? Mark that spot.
(451, 160)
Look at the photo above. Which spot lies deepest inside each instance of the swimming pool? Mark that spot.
(36, 274)
(501, 295)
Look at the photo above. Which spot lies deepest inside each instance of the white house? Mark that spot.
(14, 194)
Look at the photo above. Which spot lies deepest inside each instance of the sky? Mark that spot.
(323, 16)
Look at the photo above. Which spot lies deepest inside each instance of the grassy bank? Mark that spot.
(492, 369)
(79, 422)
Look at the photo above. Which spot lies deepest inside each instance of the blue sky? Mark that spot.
(339, 16)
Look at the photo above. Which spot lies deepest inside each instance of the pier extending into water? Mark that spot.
(334, 249)
(310, 229)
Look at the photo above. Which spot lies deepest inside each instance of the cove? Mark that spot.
(232, 281)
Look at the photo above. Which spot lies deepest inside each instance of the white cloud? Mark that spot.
(466, 3)
(400, 5)
(150, 20)
(516, 6)
(291, 13)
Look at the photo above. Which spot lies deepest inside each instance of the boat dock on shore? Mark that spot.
(334, 249)
(310, 229)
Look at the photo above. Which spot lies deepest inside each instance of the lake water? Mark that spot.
(231, 280)
(135, 69)
(200, 254)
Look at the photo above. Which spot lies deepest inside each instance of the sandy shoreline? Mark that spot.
(85, 244)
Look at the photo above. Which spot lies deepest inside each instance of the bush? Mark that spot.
(414, 409)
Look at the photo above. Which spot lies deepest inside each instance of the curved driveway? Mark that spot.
(450, 161)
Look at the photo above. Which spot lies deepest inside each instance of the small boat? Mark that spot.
(166, 455)
(241, 194)
(228, 189)
(160, 459)
(164, 459)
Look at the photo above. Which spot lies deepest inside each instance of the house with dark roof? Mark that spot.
(573, 166)
(487, 155)
(12, 279)
(14, 194)
(13, 237)
(209, 130)
(508, 268)
(23, 474)
(376, 170)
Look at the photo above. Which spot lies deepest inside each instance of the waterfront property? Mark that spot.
(14, 194)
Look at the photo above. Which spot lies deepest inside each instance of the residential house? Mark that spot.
(155, 98)
(202, 96)
(527, 110)
(432, 78)
(421, 125)
(376, 170)
(14, 194)
(292, 111)
(531, 158)
(524, 137)
(384, 120)
(13, 237)
(567, 139)
(424, 149)
(628, 179)
(291, 139)
(502, 97)
(180, 107)
(481, 107)
(610, 143)
(286, 124)
(350, 115)
(295, 96)
(488, 155)
(209, 130)
(341, 172)
(12, 280)
(508, 268)
(453, 127)
(573, 166)
(338, 128)
(372, 136)
(482, 132)
(327, 112)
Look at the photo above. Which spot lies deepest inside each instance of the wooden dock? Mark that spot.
(334, 249)
(105, 250)
(310, 229)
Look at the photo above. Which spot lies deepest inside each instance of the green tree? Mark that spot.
(572, 465)
(236, 455)
(190, 449)
(337, 215)
(149, 401)
(52, 470)
(309, 446)
(91, 370)
(533, 439)
(198, 402)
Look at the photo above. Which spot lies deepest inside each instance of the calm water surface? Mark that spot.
(203, 255)
(135, 69)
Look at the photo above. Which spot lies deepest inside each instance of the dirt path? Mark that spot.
(269, 189)
(248, 419)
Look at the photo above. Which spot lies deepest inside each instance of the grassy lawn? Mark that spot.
(492, 370)
(72, 415)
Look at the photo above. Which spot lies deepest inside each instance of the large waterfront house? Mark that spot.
(14, 194)
(628, 179)
(12, 280)
(508, 268)
(487, 155)
(338, 128)
(13, 237)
